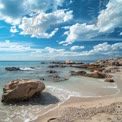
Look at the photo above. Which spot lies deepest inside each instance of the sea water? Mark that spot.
(56, 92)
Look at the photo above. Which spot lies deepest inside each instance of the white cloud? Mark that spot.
(27, 51)
(13, 29)
(111, 17)
(121, 34)
(78, 32)
(8, 46)
(53, 50)
(104, 49)
(12, 11)
(107, 21)
(39, 25)
(76, 48)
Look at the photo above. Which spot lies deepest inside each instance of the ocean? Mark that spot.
(56, 92)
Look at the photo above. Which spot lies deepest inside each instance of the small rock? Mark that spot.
(109, 80)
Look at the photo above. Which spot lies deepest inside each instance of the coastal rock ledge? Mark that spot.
(21, 90)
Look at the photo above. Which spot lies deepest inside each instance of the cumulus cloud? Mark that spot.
(39, 25)
(111, 17)
(78, 32)
(104, 49)
(107, 21)
(76, 48)
(12, 11)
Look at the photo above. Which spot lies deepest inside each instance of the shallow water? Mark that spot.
(55, 93)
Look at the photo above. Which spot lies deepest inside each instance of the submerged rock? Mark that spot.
(21, 89)
(12, 69)
(51, 71)
(109, 80)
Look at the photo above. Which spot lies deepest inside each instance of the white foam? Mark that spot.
(62, 93)
(26, 69)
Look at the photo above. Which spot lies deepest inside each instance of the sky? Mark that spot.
(60, 29)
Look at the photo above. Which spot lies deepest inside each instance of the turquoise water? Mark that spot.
(55, 93)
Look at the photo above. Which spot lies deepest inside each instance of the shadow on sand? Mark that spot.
(44, 99)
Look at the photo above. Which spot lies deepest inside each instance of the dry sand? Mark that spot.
(105, 109)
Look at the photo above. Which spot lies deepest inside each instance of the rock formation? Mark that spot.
(21, 89)
(12, 68)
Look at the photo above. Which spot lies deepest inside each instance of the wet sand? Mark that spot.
(94, 109)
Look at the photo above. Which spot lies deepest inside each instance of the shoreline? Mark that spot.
(83, 93)
(57, 115)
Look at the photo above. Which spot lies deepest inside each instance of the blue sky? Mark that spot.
(60, 29)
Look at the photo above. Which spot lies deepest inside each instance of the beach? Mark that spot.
(60, 60)
(71, 97)
(103, 109)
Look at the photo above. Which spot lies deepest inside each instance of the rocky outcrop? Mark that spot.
(96, 74)
(111, 69)
(71, 62)
(12, 69)
(102, 65)
(78, 73)
(21, 89)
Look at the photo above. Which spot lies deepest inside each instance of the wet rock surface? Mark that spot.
(12, 69)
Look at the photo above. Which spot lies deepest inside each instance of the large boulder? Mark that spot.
(21, 89)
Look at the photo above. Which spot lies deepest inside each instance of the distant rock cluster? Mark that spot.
(100, 69)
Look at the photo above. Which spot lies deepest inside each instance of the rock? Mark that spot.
(68, 62)
(71, 62)
(12, 69)
(21, 89)
(72, 72)
(109, 80)
(56, 62)
(111, 69)
(41, 78)
(115, 63)
(51, 71)
(96, 74)
(42, 62)
(56, 66)
(82, 73)
(56, 78)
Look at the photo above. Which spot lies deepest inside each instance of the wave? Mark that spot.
(26, 69)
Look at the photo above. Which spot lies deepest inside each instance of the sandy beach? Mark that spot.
(100, 109)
